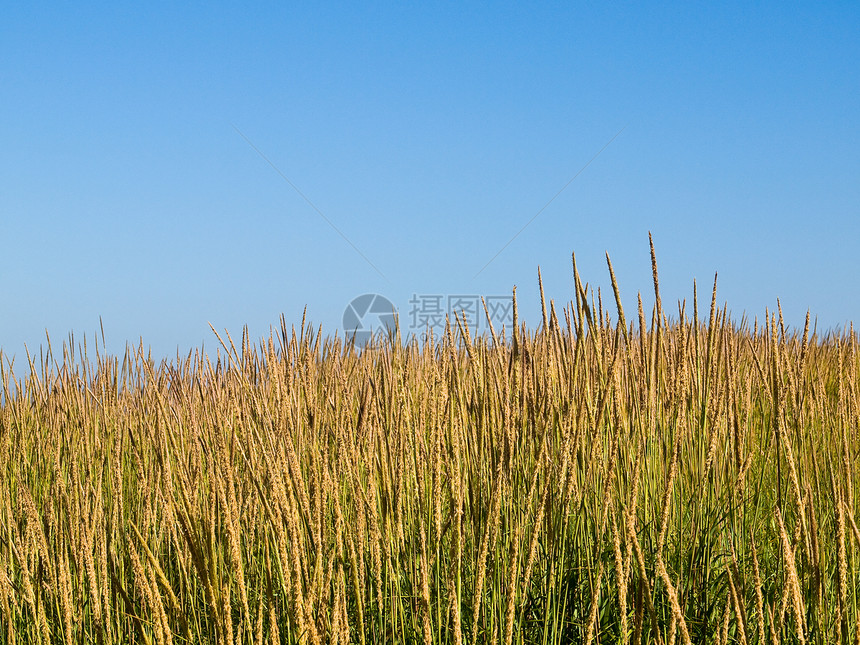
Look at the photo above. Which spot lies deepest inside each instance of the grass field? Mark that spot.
(599, 479)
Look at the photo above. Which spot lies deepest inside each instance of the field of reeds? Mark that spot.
(663, 478)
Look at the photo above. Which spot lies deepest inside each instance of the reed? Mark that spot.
(687, 480)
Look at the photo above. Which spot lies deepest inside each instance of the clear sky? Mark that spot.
(133, 183)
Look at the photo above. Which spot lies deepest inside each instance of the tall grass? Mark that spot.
(597, 481)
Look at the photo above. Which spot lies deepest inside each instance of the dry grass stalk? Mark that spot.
(723, 633)
(511, 584)
(488, 542)
(842, 561)
(620, 581)
(65, 594)
(643, 579)
(437, 487)
(427, 623)
(738, 609)
(677, 612)
(759, 596)
(792, 581)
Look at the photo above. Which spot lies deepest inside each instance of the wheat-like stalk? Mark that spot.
(583, 481)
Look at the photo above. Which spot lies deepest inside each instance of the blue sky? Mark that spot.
(428, 136)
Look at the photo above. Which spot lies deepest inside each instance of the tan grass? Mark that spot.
(581, 482)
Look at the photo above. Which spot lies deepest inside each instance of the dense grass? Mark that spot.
(592, 481)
